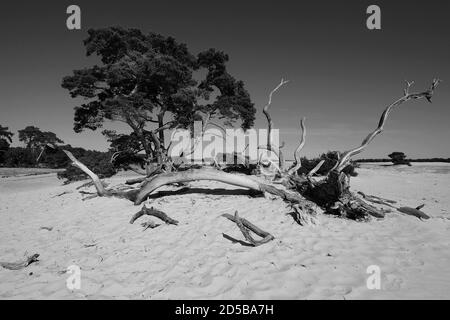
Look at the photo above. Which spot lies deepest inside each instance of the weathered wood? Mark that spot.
(149, 224)
(377, 200)
(297, 155)
(428, 94)
(269, 145)
(99, 185)
(245, 225)
(135, 180)
(153, 212)
(334, 196)
(20, 264)
(95, 179)
(293, 198)
(414, 212)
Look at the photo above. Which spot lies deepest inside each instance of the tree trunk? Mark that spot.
(161, 133)
(305, 211)
(158, 148)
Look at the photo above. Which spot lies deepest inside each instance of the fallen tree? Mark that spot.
(302, 192)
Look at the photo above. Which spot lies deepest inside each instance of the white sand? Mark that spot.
(193, 260)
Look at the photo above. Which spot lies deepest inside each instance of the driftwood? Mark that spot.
(269, 145)
(153, 212)
(304, 193)
(297, 161)
(306, 210)
(20, 264)
(414, 212)
(62, 193)
(149, 224)
(99, 185)
(245, 225)
(135, 180)
(428, 94)
(377, 200)
(333, 193)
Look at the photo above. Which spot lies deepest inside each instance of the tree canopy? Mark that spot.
(148, 82)
(5, 134)
(34, 138)
(5, 140)
(398, 158)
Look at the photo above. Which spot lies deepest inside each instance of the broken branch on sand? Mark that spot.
(245, 225)
(153, 212)
(20, 264)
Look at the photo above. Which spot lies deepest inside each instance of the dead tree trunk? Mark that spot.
(270, 145)
(333, 193)
(101, 190)
(305, 210)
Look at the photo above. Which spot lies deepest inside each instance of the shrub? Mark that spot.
(398, 158)
(18, 157)
(98, 162)
(330, 160)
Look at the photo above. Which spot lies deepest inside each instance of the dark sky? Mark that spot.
(341, 74)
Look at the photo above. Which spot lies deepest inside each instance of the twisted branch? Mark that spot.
(346, 156)
(297, 164)
(269, 145)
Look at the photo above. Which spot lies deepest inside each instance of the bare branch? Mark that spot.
(297, 165)
(269, 118)
(158, 181)
(245, 225)
(346, 156)
(316, 168)
(95, 179)
(20, 264)
(153, 212)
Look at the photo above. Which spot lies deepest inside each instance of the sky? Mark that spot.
(341, 75)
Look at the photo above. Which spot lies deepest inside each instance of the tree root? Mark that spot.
(153, 212)
(334, 196)
(245, 225)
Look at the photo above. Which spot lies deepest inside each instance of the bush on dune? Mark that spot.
(18, 157)
(330, 158)
(98, 162)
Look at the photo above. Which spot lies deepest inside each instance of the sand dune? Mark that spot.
(194, 260)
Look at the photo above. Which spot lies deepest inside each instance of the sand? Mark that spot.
(195, 261)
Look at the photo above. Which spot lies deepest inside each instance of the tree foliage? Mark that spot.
(331, 158)
(5, 141)
(147, 81)
(34, 138)
(5, 134)
(18, 158)
(398, 158)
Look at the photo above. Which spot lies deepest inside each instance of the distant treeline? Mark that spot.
(36, 154)
(447, 160)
